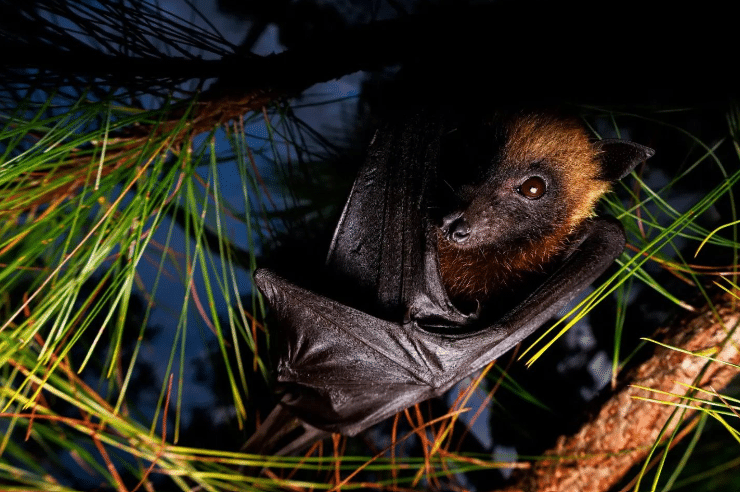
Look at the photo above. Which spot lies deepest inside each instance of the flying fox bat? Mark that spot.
(456, 242)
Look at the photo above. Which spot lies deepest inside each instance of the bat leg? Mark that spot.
(308, 437)
(283, 434)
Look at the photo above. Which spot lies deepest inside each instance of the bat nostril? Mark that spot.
(455, 227)
(459, 230)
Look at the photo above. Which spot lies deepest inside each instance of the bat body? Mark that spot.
(399, 326)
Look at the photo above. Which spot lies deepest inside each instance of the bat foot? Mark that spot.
(283, 434)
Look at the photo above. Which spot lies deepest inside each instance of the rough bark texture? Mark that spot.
(622, 433)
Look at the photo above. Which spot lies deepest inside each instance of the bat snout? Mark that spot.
(456, 228)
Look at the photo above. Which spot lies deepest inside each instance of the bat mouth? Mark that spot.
(455, 228)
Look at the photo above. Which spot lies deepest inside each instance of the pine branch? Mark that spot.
(621, 436)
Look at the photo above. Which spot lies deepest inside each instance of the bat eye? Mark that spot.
(533, 188)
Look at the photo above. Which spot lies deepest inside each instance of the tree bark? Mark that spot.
(622, 434)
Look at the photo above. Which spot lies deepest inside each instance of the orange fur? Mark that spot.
(565, 144)
(477, 274)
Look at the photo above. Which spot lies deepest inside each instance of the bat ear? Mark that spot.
(619, 157)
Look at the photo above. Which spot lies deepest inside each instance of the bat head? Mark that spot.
(526, 195)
